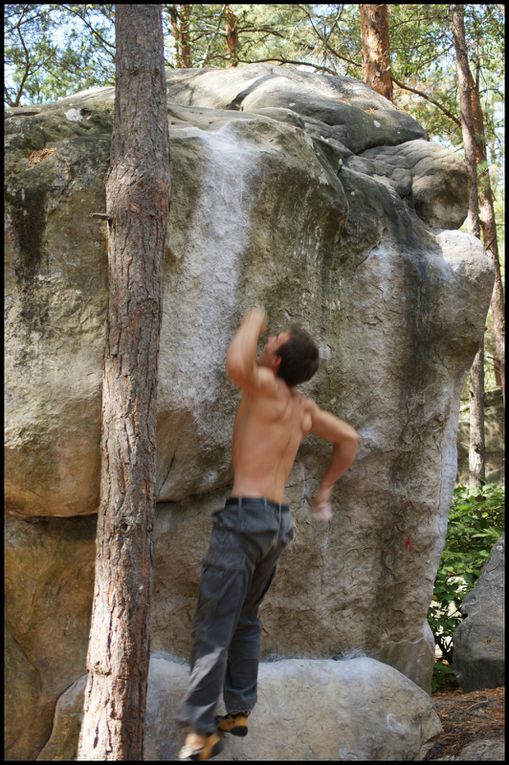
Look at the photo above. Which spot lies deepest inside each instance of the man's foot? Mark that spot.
(236, 724)
(201, 747)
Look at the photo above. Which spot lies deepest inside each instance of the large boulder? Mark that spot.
(307, 710)
(308, 194)
(48, 586)
(479, 640)
(356, 265)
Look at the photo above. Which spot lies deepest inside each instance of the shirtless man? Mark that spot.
(254, 527)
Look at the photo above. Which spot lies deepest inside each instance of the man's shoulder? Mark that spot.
(306, 400)
(307, 403)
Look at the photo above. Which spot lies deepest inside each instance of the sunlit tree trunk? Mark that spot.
(180, 16)
(137, 202)
(476, 388)
(376, 49)
(185, 38)
(477, 447)
(489, 232)
(232, 38)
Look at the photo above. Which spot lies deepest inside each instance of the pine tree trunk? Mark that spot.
(179, 19)
(185, 40)
(477, 457)
(489, 233)
(477, 449)
(465, 87)
(232, 38)
(376, 49)
(137, 202)
(489, 229)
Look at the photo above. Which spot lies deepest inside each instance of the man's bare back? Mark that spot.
(266, 438)
(273, 419)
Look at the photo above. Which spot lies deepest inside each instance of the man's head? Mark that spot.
(292, 355)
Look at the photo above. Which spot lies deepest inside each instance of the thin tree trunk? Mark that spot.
(179, 19)
(477, 447)
(489, 229)
(376, 49)
(137, 201)
(185, 40)
(466, 86)
(489, 233)
(174, 21)
(232, 38)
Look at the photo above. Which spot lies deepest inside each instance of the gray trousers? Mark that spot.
(247, 538)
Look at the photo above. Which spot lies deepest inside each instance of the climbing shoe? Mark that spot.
(213, 746)
(236, 724)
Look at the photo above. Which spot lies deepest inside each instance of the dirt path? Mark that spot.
(467, 718)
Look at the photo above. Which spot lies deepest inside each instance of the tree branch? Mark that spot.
(289, 61)
(427, 98)
(104, 42)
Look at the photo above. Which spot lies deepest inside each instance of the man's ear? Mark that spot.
(276, 361)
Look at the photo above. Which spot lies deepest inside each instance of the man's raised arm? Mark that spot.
(241, 363)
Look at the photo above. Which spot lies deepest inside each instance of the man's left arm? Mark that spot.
(345, 444)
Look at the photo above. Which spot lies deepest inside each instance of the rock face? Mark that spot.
(307, 710)
(49, 578)
(490, 749)
(478, 642)
(310, 195)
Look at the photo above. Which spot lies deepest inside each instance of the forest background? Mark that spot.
(55, 50)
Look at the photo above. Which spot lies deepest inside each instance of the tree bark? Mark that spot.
(186, 61)
(376, 49)
(466, 86)
(477, 446)
(489, 233)
(179, 19)
(137, 202)
(232, 38)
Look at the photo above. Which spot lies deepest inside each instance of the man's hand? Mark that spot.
(322, 510)
(257, 314)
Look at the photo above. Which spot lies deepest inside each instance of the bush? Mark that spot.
(476, 521)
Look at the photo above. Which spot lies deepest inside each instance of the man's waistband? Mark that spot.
(255, 503)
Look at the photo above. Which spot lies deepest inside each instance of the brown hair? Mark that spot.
(299, 357)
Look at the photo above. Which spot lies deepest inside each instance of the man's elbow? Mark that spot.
(232, 371)
(350, 440)
(234, 368)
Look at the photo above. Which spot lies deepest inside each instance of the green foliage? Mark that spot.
(476, 521)
(443, 677)
(52, 50)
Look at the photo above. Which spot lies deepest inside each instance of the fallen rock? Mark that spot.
(490, 749)
(307, 710)
(478, 641)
